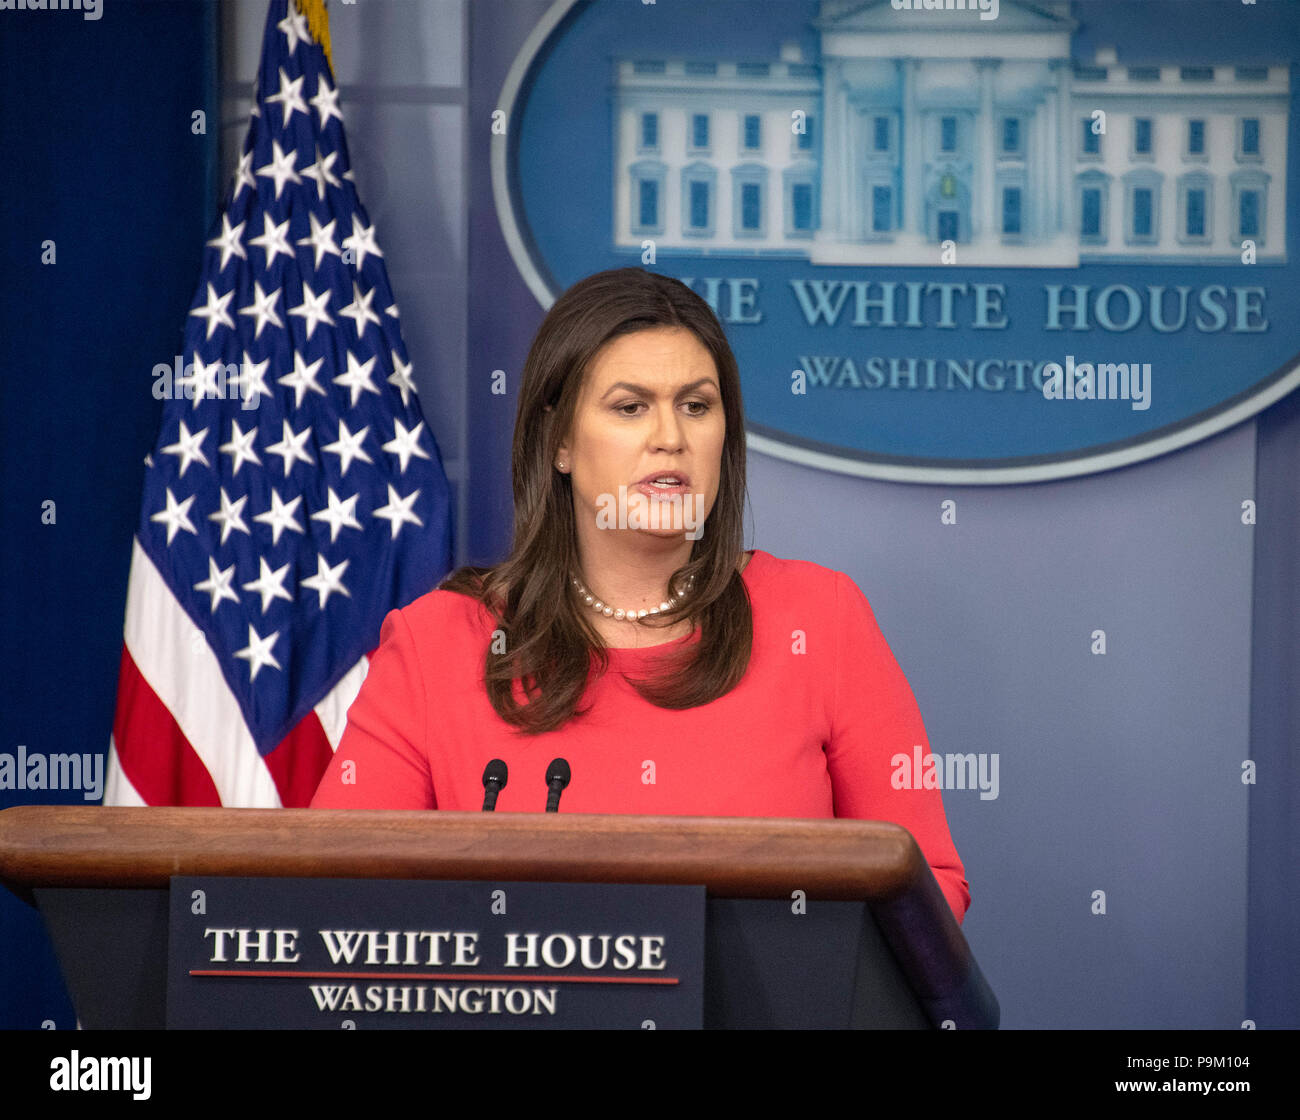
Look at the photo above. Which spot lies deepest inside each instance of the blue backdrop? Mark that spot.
(102, 159)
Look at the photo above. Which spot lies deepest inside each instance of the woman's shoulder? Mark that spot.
(449, 612)
(789, 577)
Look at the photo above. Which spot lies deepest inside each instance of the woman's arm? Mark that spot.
(874, 718)
(382, 761)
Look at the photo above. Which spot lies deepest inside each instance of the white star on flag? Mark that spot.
(289, 97)
(340, 514)
(348, 447)
(405, 444)
(398, 510)
(327, 580)
(188, 448)
(229, 242)
(269, 584)
(176, 515)
(214, 311)
(217, 584)
(228, 516)
(281, 515)
(258, 652)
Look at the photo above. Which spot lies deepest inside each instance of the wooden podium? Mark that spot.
(877, 947)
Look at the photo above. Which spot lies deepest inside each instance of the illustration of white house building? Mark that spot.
(917, 128)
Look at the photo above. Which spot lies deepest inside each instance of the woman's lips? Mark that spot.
(650, 490)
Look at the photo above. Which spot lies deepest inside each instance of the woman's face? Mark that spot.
(650, 406)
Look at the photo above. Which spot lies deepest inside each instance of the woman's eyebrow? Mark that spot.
(647, 392)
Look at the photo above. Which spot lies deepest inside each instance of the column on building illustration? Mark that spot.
(989, 134)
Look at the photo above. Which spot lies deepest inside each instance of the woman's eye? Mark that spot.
(699, 408)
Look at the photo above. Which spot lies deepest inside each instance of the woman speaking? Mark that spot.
(627, 631)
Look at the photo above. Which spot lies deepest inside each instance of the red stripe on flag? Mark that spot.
(298, 762)
(155, 755)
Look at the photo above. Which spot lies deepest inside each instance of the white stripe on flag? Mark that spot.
(174, 657)
(118, 789)
(332, 711)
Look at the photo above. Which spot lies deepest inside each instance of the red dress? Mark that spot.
(810, 731)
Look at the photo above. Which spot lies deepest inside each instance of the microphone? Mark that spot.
(557, 777)
(494, 781)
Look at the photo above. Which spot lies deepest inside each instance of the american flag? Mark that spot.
(295, 494)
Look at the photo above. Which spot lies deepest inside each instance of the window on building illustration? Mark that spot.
(649, 130)
(1142, 212)
(1196, 212)
(699, 202)
(1142, 136)
(801, 204)
(1252, 73)
(1090, 216)
(753, 131)
(1011, 135)
(1144, 73)
(1091, 140)
(1250, 136)
(880, 134)
(948, 134)
(1011, 210)
(1197, 73)
(1196, 138)
(806, 136)
(700, 130)
(1248, 213)
(649, 203)
(750, 212)
(882, 205)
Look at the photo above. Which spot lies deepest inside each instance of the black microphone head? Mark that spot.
(495, 771)
(558, 771)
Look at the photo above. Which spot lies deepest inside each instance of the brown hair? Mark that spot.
(549, 640)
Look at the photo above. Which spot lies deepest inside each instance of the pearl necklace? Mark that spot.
(619, 613)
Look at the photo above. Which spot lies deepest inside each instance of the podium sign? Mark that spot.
(368, 953)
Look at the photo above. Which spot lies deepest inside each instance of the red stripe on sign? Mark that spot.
(529, 978)
(298, 761)
(155, 755)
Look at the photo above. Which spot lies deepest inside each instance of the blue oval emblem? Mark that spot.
(951, 241)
